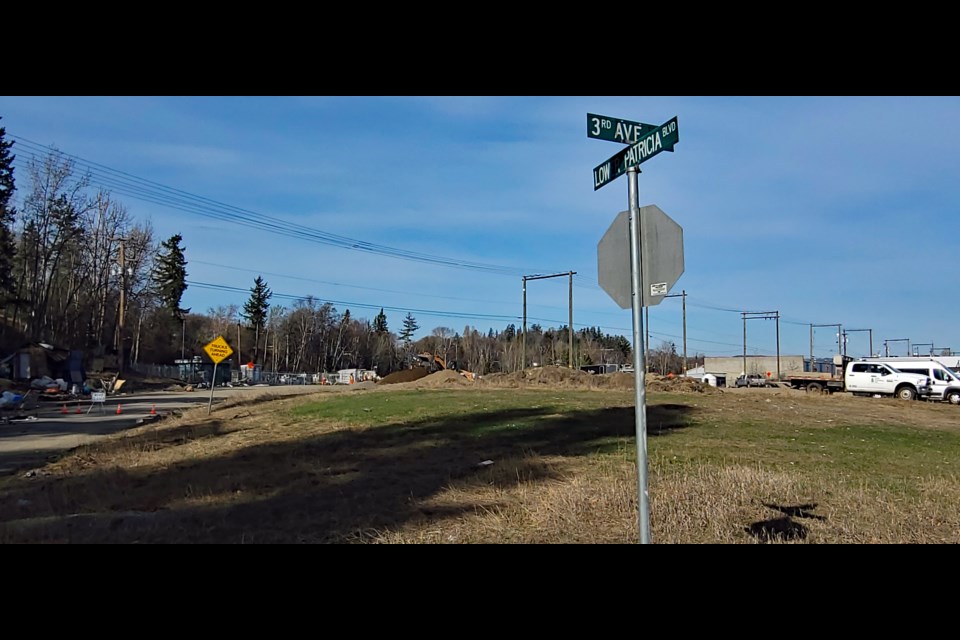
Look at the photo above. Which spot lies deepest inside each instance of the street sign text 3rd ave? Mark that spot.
(616, 129)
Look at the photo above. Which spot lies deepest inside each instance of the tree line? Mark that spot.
(78, 270)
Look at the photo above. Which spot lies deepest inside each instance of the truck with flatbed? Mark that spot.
(862, 378)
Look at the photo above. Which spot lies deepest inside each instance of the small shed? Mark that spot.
(39, 359)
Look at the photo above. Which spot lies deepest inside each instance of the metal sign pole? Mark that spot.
(639, 367)
(213, 383)
(664, 256)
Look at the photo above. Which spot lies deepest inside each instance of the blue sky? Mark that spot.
(830, 210)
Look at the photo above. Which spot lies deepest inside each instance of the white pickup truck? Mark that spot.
(945, 381)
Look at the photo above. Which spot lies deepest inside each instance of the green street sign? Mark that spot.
(616, 129)
(661, 139)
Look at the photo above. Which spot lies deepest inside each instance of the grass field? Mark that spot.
(508, 465)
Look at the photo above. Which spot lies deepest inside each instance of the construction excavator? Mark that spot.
(435, 363)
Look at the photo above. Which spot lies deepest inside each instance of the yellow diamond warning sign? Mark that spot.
(218, 350)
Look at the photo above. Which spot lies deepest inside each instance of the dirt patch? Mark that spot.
(563, 377)
(406, 375)
(547, 376)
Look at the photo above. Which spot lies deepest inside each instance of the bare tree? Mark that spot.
(224, 320)
(51, 215)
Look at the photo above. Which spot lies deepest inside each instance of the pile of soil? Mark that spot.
(562, 377)
(445, 378)
(421, 378)
(549, 376)
(405, 375)
(677, 384)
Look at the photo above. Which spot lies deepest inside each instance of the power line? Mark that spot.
(431, 312)
(362, 305)
(342, 284)
(127, 184)
(143, 189)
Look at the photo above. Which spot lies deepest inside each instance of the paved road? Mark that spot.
(30, 443)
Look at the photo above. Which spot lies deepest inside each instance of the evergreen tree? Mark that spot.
(7, 215)
(410, 326)
(255, 309)
(170, 275)
(380, 323)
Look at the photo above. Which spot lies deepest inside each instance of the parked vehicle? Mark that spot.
(945, 384)
(864, 378)
(754, 380)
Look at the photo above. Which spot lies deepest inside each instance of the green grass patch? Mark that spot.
(412, 465)
(849, 448)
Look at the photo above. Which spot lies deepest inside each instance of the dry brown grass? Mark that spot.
(722, 470)
(703, 505)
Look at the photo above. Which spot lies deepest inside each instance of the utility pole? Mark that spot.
(523, 337)
(570, 331)
(922, 344)
(839, 338)
(886, 345)
(239, 377)
(123, 293)
(760, 315)
(523, 342)
(683, 295)
(743, 314)
(871, 338)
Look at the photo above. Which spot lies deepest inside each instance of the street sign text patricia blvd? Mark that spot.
(616, 129)
(661, 139)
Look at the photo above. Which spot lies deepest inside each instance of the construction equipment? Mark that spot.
(435, 363)
(431, 361)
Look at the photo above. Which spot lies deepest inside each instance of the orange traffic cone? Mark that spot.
(63, 409)
(78, 410)
(118, 409)
(153, 409)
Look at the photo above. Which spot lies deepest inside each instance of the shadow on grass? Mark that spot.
(323, 488)
(797, 511)
(777, 530)
(784, 529)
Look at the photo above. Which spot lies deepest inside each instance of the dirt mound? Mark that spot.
(563, 377)
(549, 376)
(445, 378)
(677, 384)
(405, 375)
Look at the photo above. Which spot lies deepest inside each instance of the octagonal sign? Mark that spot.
(661, 241)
